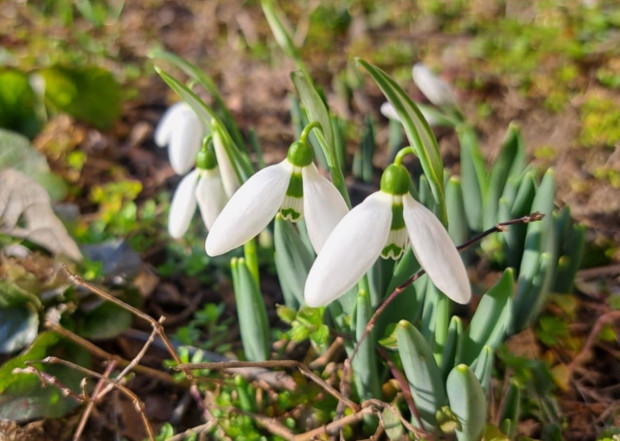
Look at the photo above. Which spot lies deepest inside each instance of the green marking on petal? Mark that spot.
(398, 221)
(396, 243)
(290, 214)
(392, 251)
(295, 186)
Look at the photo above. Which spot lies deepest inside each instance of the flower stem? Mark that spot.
(402, 153)
(306, 131)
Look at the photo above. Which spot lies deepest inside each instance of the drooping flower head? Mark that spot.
(182, 131)
(294, 187)
(434, 88)
(382, 225)
(203, 187)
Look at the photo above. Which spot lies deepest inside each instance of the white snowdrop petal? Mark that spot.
(167, 123)
(250, 209)
(388, 111)
(210, 195)
(435, 251)
(229, 176)
(185, 141)
(183, 205)
(350, 250)
(434, 88)
(324, 206)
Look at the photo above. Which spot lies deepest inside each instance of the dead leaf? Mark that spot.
(26, 212)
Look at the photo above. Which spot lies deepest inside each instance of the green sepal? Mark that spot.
(467, 402)
(252, 313)
(293, 261)
(423, 374)
(491, 320)
(419, 133)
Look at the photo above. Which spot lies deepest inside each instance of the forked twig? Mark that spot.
(97, 393)
(139, 404)
(156, 324)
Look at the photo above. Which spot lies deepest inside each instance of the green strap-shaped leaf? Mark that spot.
(491, 320)
(453, 344)
(418, 132)
(207, 115)
(293, 261)
(423, 374)
(511, 410)
(536, 271)
(203, 79)
(252, 313)
(510, 162)
(280, 30)
(456, 211)
(482, 367)
(474, 179)
(467, 402)
(365, 362)
(570, 240)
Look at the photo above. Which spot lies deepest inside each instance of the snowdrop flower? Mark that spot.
(182, 131)
(203, 187)
(382, 225)
(294, 187)
(389, 112)
(434, 88)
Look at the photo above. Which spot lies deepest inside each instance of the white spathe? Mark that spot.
(182, 131)
(434, 88)
(229, 176)
(257, 201)
(199, 187)
(357, 241)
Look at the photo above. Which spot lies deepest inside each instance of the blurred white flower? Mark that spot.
(202, 187)
(389, 112)
(182, 131)
(295, 190)
(434, 88)
(381, 226)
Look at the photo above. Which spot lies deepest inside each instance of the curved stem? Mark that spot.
(306, 131)
(402, 153)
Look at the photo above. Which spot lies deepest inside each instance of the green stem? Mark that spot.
(306, 131)
(251, 259)
(402, 153)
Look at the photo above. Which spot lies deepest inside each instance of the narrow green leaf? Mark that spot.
(482, 367)
(317, 111)
(453, 344)
(281, 31)
(253, 322)
(207, 82)
(293, 261)
(362, 161)
(392, 425)
(365, 362)
(536, 271)
(491, 320)
(418, 132)
(510, 162)
(511, 410)
(458, 227)
(474, 179)
(520, 204)
(423, 374)
(467, 402)
(570, 240)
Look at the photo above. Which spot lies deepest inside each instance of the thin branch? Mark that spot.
(272, 364)
(91, 403)
(335, 425)
(139, 404)
(98, 352)
(156, 324)
(596, 329)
